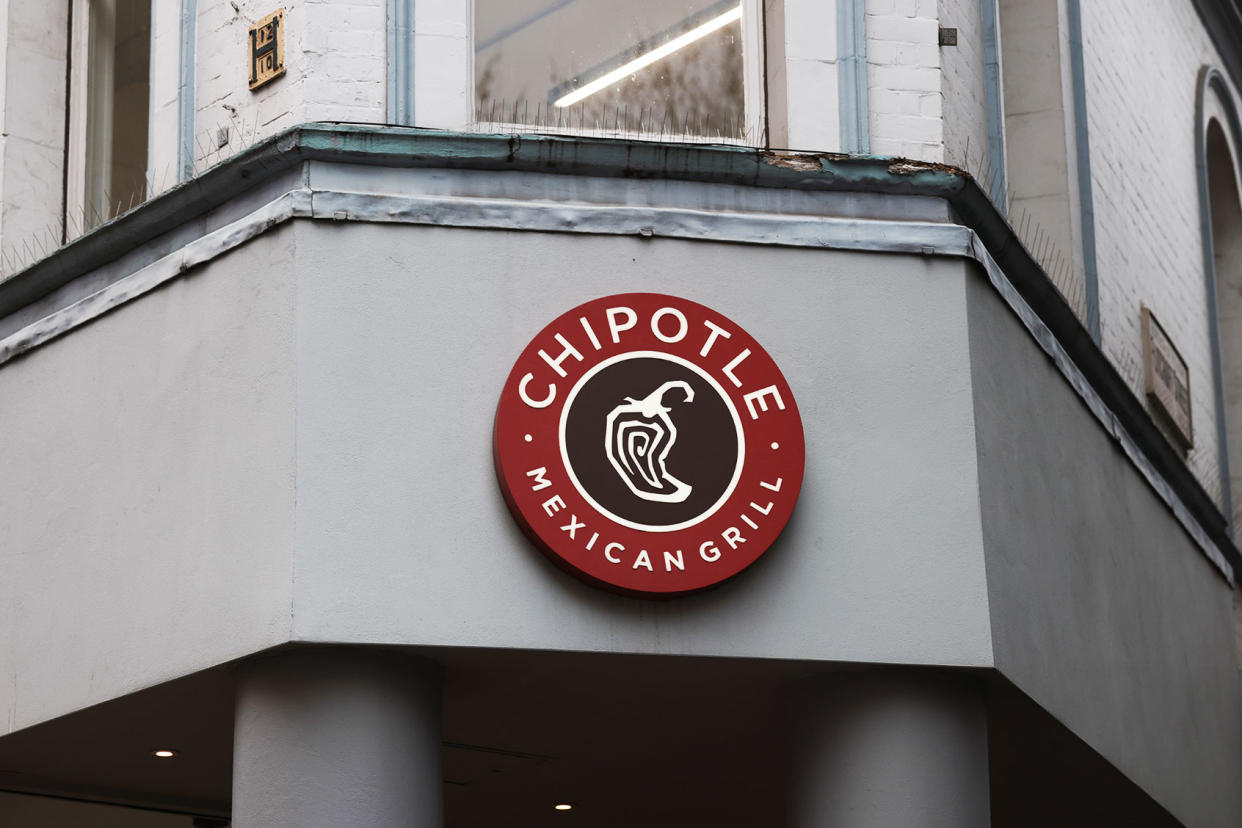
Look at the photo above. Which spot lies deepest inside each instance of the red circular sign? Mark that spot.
(648, 444)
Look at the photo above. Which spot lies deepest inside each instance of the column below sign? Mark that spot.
(648, 444)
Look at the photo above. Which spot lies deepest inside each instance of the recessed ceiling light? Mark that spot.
(564, 807)
(164, 753)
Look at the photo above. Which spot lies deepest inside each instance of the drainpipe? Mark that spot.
(855, 111)
(400, 62)
(1086, 205)
(185, 91)
(994, 103)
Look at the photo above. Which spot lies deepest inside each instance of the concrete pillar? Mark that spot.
(890, 749)
(337, 738)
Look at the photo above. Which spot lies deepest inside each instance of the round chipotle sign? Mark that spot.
(649, 444)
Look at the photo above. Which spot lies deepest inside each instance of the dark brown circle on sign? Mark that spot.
(702, 443)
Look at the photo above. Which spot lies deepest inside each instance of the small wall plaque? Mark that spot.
(267, 49)
(1168, 379)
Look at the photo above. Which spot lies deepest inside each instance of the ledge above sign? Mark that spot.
(1167, 381)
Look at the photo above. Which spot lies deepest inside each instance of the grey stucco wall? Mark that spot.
(329, 388)
(294, 442)
(146, 499)
(1103, 610)
(406, 335)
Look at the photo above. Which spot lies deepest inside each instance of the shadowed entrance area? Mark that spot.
(624, 740)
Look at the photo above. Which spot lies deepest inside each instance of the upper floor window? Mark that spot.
(109, 109)
(676, 69)
(1225, 228)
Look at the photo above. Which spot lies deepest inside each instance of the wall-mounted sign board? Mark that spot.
(1168, 380)
(266, 54)
(648, 444)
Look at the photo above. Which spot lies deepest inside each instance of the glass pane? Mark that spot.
(118, 92)
(663, 67)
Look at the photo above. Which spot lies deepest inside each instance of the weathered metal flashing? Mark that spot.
(411, 147)
(852, 96)
(1059, 330)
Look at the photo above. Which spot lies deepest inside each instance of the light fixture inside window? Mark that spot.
(689, 70)
(564, 806)
(659, 53)
(164, 753)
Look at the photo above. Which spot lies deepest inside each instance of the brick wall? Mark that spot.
(344, 48)
(810, 118)
(904, 79)
(335, 61)
(962, 83)
(1141, 60)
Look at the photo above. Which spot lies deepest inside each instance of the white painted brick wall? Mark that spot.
(904, 79)
(335, 69)
(810, 73)
(1141, 60)
(443, 58)
(344, 48)
(222, 98)
(964, 90)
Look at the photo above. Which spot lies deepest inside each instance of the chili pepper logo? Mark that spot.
(639, 436)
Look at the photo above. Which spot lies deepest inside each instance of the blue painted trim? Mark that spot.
(854, 107)
(185, 91)
(1086, 204)
(998, 191)
(400, 62)
(1212, 78)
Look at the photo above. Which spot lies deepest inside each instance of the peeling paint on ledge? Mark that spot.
(411, 147)
(803, 161)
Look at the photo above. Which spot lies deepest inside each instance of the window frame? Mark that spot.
(88, 163)
(754, 60)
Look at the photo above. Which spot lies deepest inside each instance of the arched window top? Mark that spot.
(1217, 102)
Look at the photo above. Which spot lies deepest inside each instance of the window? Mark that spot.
(1041, 144)
(652, 68)
(109, 106)
(1226, 236)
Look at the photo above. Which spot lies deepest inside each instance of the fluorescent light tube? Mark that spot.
(659, 53)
